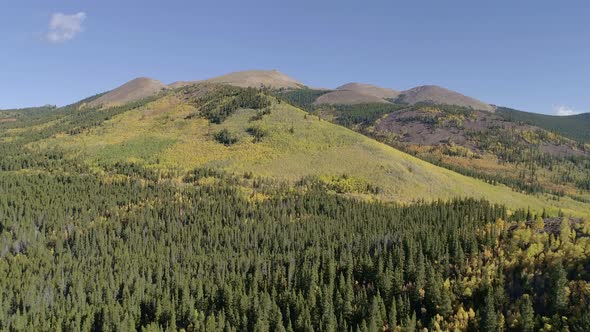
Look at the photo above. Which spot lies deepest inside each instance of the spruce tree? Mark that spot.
(527, 314)
(392, 317)
(557, 292)
(488, 317)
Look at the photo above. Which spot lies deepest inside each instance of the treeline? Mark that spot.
(360, 114)
(344, 115)
(519, 183)
(576, 127)
(72, 119)
(225, 100)
(17, 154)
(302, 98)
(28, 112)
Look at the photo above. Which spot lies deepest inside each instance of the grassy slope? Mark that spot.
(160, 135)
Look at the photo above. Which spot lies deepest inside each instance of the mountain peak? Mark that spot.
(137, 88)
(142, 80)
(440, 95)
(254, 78)
(258, 78)
(369, 89)
(357, 93)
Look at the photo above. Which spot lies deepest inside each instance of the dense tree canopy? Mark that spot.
(114, 253)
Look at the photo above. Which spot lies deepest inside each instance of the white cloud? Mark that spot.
(64, 27)
(564, 110)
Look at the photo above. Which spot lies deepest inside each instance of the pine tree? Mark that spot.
(210, 323)
(433, 294)
(557, 292)
(392, 317)
(409, 323)
(363, 327)
(488, 317)
(329, 322)
(527, 314)
(347, 295)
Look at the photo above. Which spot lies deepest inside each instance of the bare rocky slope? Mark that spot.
(357, 93)
(369, 89)
(361, 93)
(347, 94)
(251, 78)
(136, 89)
(439, 95)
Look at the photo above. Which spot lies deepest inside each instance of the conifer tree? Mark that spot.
(557, 291)
(527, 314)
(392, 317)
(488, 316)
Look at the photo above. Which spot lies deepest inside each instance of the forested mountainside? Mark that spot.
(211, 207)
(243, 130)
(576, 127)
(125, 250)
(13, 115)
(500, 147)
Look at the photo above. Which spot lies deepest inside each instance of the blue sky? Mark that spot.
(530, 55)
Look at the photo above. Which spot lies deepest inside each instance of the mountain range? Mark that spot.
(350, 93)
(252, 202)
(359, 139)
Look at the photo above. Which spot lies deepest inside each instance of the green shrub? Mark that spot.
(225, 137)
(259, 115)
(257, 132)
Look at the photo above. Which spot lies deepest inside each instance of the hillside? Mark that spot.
(438, 95)
(576, 127)
(202, 255)
(173, 133)
(214, 194)
(13, 115)
(442, 125)
(133, 90)
(480, 144)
